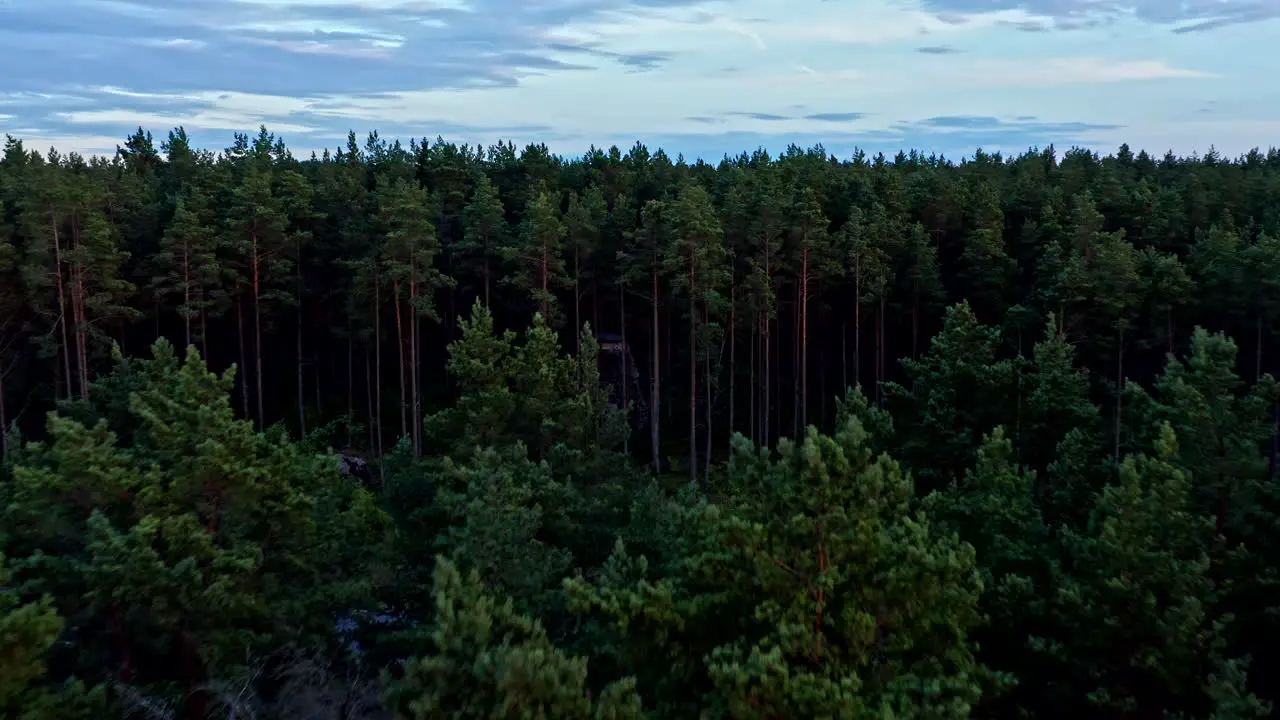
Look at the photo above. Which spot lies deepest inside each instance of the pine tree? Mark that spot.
(1057, 399)
(767, 227)
(202, 534)
(256, 245)
(187, 267)
(987, 268)
(1221, 425)
(583, 221)
(782, 605)
(537, 255)
(485, 232)
(993, 508)
(641, 266)
(485, 660)
(495, 506)
(1136, 636)
(1166, 286)
(923, 280)
(694, 261)
(28, 632)
(408, 257)
(951, 402)
(11, 306)
(812, 245)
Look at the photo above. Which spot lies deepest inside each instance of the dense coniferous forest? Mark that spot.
(448, 431)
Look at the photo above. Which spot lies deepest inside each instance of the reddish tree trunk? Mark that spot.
(62, 305)
(400, 342)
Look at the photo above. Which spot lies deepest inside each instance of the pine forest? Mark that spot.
(449, 431)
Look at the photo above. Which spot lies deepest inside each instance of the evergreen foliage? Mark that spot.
(408, 432)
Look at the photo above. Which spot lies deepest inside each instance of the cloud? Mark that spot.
(1020, 125)
(1073, 14)
(576, 72)
(768, 117)
(960, 121)
(1068, 71)
(637, 61)
(300, 47)
(836, 117)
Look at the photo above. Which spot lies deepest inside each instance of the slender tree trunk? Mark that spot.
(4, 419)
(186, 289)
(244, 357)
(706, 473)
(487, 304)
(368, 399)
(797, 371)
(351, 393)
(299, 291)
(626, 368)
(804, 341)
(844, 353)
(857, 327)
(822, 384)
(257, 333)
(915, 327)
(767, 438)
(1119, 390)
(880, 365)
(1257, 375)
(204, 323)
(546, 304)
(82, 329)
(655, 372)
(751, 382)
(767, 347)
(400, 342)
(577, 305)
(302, 403)
(319, 378)
(733, 359)
(693, 372)
(414, 364)
(377, 373)
(1168, 327)
(62, 305)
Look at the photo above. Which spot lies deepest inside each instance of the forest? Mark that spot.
(451, 431)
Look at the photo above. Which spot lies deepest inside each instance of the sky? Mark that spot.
(694, 77)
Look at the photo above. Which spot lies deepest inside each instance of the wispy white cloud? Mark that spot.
(575, 72)
(1059, 71)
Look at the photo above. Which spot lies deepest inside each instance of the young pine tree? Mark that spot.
(817, 590)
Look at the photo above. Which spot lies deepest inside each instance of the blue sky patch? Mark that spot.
(699, 78)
